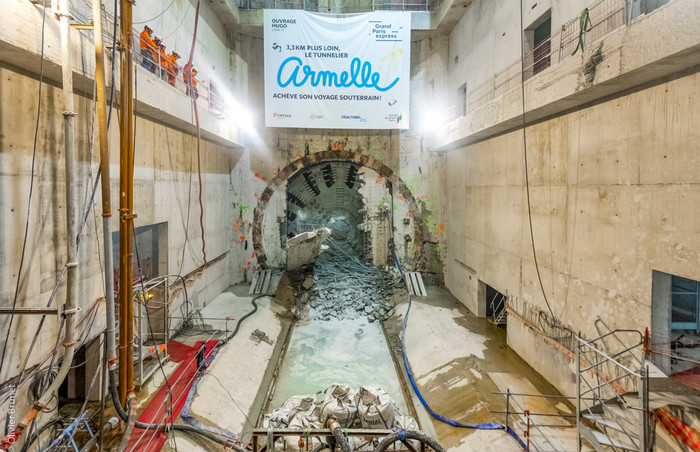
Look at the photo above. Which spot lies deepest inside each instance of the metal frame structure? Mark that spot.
(142, 334)
(365, 437)
(603, 379)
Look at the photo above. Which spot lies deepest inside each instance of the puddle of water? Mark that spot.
(336, 351)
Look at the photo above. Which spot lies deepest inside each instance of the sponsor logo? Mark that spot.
(314, 116)
(276, 46)
(353, 118)
(397, 118)
(281, 115)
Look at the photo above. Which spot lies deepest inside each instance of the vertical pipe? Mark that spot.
(578, 396)
(126, 205)
(111, 353)
(507, 407)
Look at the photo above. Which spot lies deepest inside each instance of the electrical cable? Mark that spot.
(33, 437)
(31, 191)
(527, 176)
(193, 98)
(154, 18)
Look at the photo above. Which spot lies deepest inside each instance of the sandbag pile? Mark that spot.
(370, 407)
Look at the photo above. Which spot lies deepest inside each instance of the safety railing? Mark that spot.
(534, 426)
(340, 6)
(208, 96)
(604, 382)
(161, 67)
(359, 439)
(606, 16)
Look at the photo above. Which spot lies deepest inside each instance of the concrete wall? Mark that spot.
(609, 190)
(166, 182)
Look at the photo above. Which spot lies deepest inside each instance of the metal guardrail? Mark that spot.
(536, 437)
(208, 96)
(606, 16)
(340, 6)
(602, 379)
(359, 438)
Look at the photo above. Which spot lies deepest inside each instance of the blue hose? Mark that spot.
(479, 426)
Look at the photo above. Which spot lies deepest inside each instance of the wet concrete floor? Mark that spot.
(455, 358)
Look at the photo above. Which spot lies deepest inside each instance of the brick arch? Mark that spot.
(332, 156)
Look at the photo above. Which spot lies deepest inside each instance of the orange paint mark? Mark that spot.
(442, 227)
(256, 195)
(243, 237)
(246, 221)
(408, 214)
(264, 179)
(298, 155)
(248, 263)
(257, 175)
(379, 180)
(399, 196)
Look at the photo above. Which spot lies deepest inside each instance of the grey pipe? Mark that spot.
(71, 220)
(340, 438)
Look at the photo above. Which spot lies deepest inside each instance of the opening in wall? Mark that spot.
(539, 45)
(492, 303)
(674, 342)
(152, 244)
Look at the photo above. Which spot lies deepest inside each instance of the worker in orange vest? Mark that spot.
(173, 68)
(190, 81)
(164, 63)
(147, 47)
(155, 54)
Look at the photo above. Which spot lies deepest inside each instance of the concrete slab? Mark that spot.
(452, 353)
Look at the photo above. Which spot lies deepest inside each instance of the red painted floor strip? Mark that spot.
(180, 382)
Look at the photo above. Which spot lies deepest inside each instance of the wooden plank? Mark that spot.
(414, 281)
(421, 285)
(268, 278)
(254, 282)
(409, 286)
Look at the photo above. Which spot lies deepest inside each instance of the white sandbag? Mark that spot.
(375, 408)
(295, 407)
(339, 401)
(304, 416)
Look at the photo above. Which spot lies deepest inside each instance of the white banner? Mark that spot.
(330, 71)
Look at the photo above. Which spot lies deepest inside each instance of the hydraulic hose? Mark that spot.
(177, 427)
(402, 435)
(33, 437)
(238, 324)
(340, 438)
(478, 426)
(130, 421)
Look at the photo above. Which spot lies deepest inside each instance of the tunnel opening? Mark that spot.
(328, 195)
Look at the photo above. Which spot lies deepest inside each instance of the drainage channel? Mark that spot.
(320, 353)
